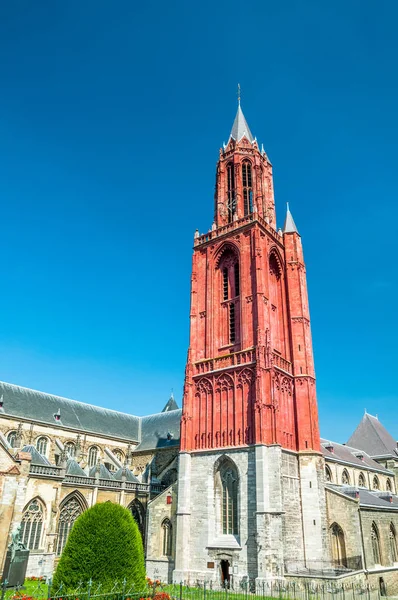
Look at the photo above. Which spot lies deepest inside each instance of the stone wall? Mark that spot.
(160, 508)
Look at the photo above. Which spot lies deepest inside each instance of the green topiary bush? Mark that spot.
(105, 546)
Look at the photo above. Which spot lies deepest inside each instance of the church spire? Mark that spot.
(240, 128)
(290, 225)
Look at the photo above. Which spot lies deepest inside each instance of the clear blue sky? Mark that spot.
(111, 117)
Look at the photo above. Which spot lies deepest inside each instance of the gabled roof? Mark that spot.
(129, 475)
(372, 437)
(73, 468)
(240, 128)
(37, 458)
(38, 406)
(161, 430)
(346, 454)
(103, 472)
(171, 404)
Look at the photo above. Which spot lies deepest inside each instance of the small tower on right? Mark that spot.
(307, 429)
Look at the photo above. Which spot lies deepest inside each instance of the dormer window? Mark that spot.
(330, 448)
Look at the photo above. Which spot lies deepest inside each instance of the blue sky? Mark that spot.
(111, 117)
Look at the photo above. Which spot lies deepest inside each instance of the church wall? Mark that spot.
(292, 521)
(345, 512)
(158, 565)
(382, 520)
(32, 431)
(337, 470)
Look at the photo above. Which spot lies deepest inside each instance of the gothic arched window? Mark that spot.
(338, 545)
(92, 456)
(328, 474)
(393, 544)
(361, 480)
(374, 534)
(12, 438)
(376, 484)
(228, 266)
(41, 445)
(70, 449)
(119, 454)
(388, 485)
(137, 510)
(345, 478)
(231, 200)
(167, 534)
(227, 497)
(247, 187)
(70, 510)
(32, 525)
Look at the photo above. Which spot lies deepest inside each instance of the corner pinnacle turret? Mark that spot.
(290, 225)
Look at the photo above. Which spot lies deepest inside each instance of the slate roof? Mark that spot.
(290, 225)
(38, 406)
(240, 127)
(129, 475)
(372, 437)
(348, 454)
(171, 404)
(103, 472)
(37, 458)
(161, 430)
(367, 498)
(73, 468)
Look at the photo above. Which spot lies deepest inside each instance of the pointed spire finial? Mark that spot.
(239, 94)
(290, 225)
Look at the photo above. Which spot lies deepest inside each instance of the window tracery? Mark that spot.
(69, 512)
(338, 545)
(32, 525)
(92, 456)
(345, 478)
(328, 474)
(361, 480)
(227, 497)
(70, 449)
(247, 188)
(41, 445)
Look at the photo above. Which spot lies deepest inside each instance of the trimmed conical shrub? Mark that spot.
(105, 546)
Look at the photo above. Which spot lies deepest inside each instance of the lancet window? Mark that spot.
(375, 545)
(92, 456)
(12, 438)
(361, 480)
(70, 511)
(230, 290)
(137, 510)
(70, 449)
(247, 188)
(231, 200)
(376, 484)
(32, 525)
(388, 485)
(345, 478)
(167, 534)
(338, 545)
(393, 544)
(328, 474)
(227, 497)
(41, 445)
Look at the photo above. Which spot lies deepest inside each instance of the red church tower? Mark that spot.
(250, 371)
